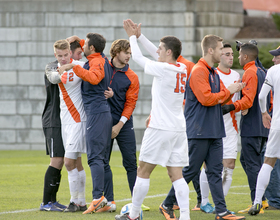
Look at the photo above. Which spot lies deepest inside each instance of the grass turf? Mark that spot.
(22, 178)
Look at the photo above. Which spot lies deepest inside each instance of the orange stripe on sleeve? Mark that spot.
(249, 91)
(70, 105)
(96, 72)
(199, 83)
(131, 94)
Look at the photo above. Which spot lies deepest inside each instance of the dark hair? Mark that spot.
(227, 45)
(96, 40)
(251, 50)
(174, 44)
(118, 46)
(74, 45)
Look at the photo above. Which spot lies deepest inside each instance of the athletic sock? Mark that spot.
(82, 188)
(57, 184)
(262, 182)
(182, 195)
(204, 187)
(50, 184)
(227, 179)
(73, 179)
(140, 190)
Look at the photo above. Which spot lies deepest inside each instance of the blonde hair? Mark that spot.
(61, 45)
(209, 41)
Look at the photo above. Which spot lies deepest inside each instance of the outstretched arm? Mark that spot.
(137, 55)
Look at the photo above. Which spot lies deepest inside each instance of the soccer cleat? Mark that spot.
(125, 217)
(197, 207)
(57, 204)
(168, 212)
(72, 207)
(95, 205)
(208, 208)
(145, 208)
(108, 208)
(245, 211)
(82, 208)
(265, 204)
(50, 207)
(229, 216)
(255, 209)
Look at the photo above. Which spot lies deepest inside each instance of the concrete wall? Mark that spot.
(28, 29)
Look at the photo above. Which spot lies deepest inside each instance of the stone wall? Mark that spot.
(28, 29)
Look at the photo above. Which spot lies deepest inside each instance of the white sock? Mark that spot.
(182, 195)
(73, 179)
(82, 188)
(140, 190)
(262, 182)
(227, 179)
(204, 187)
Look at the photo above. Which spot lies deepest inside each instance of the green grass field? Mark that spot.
(21, 189)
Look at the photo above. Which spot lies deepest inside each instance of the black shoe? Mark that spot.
(72, 207)
(255, 209)
(168, 212)
(82, 208)
(125, 217)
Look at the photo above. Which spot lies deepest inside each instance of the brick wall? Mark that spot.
(29, 28)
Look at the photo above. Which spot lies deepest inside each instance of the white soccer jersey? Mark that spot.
(167, 95)
(273, 79)
(229, 118)
(71, 103)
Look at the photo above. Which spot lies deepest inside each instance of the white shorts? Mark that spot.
(74, 137)
(273, 144)
(166, 148)
(230, 147)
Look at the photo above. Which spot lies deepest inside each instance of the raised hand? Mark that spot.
(130, 27)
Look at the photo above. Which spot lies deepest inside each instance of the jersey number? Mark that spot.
(180, 83)
(71, 75)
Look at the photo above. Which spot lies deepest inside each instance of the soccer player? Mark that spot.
(205, 93)
(152, 50)
(73, 120)
(52, 130)
(165, 140)
(125, 84)
(54, 144)
(272, 149)
(96, 75)
(228, 76)
(253, 133)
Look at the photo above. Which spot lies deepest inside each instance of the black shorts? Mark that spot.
(54, 143)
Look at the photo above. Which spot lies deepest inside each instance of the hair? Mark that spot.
(96, 40)
(250, 50)
(227, 45)
(61, 45)
(74, 45)
(210, 41)
(118, 46)
(174, 44)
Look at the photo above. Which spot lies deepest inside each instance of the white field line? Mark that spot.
(122, 200)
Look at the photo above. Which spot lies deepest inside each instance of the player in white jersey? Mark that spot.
(73, 121)
(228, 76)
(165, 139)
(272, 152)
